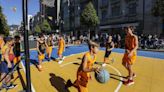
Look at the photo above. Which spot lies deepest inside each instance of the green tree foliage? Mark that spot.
(158, 8)
(4, 28)
(45, 26)
(89, 16)
(37, 29)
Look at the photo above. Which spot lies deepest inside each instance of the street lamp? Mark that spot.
(26, 44)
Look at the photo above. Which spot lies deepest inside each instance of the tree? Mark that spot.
(158, 10)
(37, 29)
(4, 28)
(89, 17)
(45, 26)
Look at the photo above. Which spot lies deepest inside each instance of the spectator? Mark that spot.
(96, 37)
(118, 41)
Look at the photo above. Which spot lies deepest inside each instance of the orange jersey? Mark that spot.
(1, 42)
(130, 45)
(4, 48)
(61, 47)
(90, 61)
(61, 43)
(83, 77)
(130, 42)
(11, 53)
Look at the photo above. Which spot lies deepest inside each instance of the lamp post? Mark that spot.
(26, 45)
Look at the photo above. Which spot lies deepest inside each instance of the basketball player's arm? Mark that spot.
(12, 48)
(136, 45)
(46, 43)
(58, 44)
(52, 42)
(64, 45)
(84, 66)
(38, 47)
(2, 44)
(6, 56)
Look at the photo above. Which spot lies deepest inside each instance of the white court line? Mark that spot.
(32, 87)
(70, 56)
(69, 63)
(119, 85)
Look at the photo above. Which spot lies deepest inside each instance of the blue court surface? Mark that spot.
(83, 48)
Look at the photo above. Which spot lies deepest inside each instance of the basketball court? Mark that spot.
(149, 68)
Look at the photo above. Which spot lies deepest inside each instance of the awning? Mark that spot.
(119, 25)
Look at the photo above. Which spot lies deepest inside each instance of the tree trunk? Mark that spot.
(89, 34)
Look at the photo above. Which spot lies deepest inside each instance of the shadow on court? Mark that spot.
(100, 63)
(76, 63)
(116, 78)
(34, 62)
(113, 76)
(14, 78)
(21, 79)
(58, 83)
(117, 75)
(79, 58)
(54, 59)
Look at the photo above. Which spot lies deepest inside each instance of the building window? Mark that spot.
(104, 15)
(116, 10)
(104, 2)
(132, 9)
(66, 12)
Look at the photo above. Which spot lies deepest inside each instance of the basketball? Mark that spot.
(11, 57)
(103, 76)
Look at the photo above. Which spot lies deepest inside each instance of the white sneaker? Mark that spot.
(63, 58)
(60, 61)
(11, 86)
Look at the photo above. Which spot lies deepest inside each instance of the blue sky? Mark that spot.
(16, 17)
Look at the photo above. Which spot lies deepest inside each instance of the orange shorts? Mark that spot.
(41, 57)
(49, 50)
(60, 51)
(129, 60)
(17, 59)
(82, 81)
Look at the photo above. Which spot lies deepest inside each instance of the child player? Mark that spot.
(131, 45)
(50, 46)
(109, 48)
(86, 66)
(61, 48)
(41, 47)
